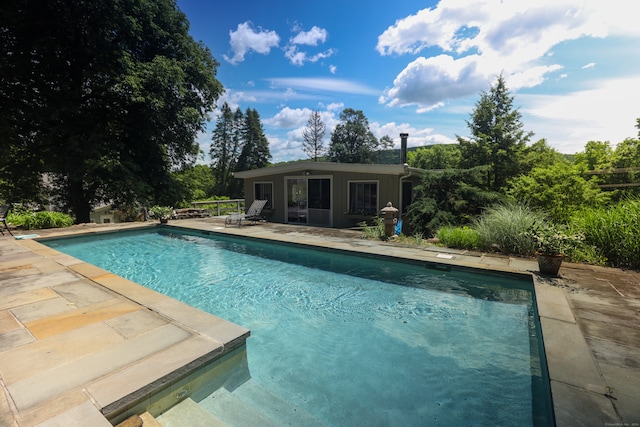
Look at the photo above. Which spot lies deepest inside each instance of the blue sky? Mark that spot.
(419, 67)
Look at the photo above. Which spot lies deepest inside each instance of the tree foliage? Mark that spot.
(449, 197)
(497, 137)
(225, 147)
(313, 135)
(104, 97)
(238, 143)
(596, 155)
(437, 156)
(352, 141)
(559, 189)
(197, 182)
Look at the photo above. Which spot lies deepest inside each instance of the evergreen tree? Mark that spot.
(497, 137)
(224, 148)
(313, 134)
(450, 197)
(352, 141)
(255, 146)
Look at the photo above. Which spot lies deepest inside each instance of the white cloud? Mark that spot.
(569, 121)
(333, 69)
(290, 118)
(323, 84)
(418, 137)
(246, 39)
(298, 57)
(589, 65)
(312, 37)
(475, 41)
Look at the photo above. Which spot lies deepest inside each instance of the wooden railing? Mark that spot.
(222, 207)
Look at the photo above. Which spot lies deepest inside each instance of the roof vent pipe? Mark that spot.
(403, 148)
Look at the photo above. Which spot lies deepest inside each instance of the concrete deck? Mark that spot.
(77, 342)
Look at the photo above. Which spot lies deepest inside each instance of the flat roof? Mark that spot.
(398, 170)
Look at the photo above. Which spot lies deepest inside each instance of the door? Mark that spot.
(297, 201)
(309, 201)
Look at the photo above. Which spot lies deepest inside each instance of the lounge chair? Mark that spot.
(253, 214)
(4, 209)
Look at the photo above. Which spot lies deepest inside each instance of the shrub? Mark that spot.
(613, 231)
(505, 226)
(459, 237)
(40, 220)
(550, 239)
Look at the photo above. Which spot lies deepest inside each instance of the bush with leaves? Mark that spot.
(559, 189)
(39, 220)
(450, 197)
(459, 237)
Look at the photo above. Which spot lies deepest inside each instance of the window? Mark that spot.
(319, 193)
(264, 191)
(363, 198)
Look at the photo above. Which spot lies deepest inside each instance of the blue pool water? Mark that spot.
(353, 340)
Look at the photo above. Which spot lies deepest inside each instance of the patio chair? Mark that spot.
(4, 209)
(253, 214)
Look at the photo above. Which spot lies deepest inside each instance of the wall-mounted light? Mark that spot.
(307, 173)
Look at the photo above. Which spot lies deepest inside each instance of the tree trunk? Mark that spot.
(80, 206)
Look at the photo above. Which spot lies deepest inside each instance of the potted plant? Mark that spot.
(161, 212)
(551, 246)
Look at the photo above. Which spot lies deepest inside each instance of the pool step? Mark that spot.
(252, 404)
(188, 413)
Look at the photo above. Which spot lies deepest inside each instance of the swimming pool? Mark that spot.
(352, 340)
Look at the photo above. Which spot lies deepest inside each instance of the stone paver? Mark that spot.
(71, 346)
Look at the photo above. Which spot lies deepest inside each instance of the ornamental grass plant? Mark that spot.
(613, 231)
(504, 227)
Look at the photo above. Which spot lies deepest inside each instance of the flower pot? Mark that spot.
(164, 220)
(549, 264)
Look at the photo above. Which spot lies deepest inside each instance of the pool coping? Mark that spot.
(579, 390)
(90, 387)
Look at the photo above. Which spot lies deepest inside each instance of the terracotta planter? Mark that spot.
(549, 264)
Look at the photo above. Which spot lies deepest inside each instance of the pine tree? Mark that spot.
(497, 137)
(224, 149)
(313, 135)
(255, 146)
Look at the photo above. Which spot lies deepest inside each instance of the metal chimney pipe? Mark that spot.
(403, 148)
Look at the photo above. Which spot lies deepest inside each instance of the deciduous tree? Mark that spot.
(437, 156)
(107, 97)
(352, 141)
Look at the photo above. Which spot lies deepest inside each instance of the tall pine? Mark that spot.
(238, 143)
(497, 137)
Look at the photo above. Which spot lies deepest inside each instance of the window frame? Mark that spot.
(374, 207)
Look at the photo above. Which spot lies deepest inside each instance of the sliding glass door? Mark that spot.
(309, 201)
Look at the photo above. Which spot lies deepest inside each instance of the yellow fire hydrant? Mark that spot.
(389, 216)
